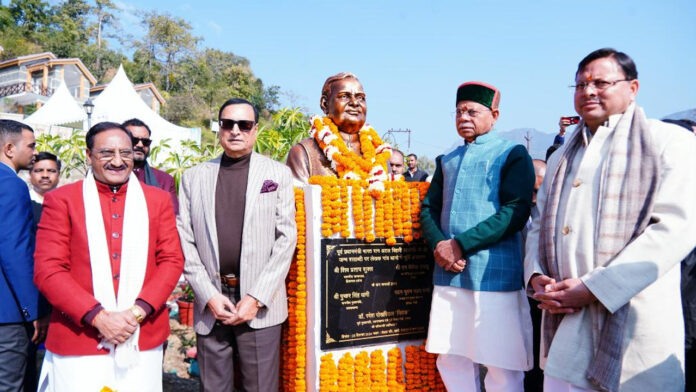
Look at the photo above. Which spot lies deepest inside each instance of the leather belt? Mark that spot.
(229, 280)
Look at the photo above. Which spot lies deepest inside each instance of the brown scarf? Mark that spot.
(629, 179)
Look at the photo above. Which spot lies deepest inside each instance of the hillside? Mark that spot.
(538, 141)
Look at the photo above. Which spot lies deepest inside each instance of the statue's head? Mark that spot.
(343, 100)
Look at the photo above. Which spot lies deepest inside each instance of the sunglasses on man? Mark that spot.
(244, 125)
(146, 142)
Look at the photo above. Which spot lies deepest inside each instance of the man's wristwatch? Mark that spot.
(139, 316)
(259, 305)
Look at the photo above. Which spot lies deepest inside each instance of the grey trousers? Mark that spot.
(14, 356)
(257, 352)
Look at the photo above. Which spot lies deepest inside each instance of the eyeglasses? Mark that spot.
(599, 85)
(107, 155)
(469, 112)
(146, 142)
(244, 125)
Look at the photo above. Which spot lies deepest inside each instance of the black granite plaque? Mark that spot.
(374, 293)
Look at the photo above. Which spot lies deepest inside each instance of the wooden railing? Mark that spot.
(19, 88)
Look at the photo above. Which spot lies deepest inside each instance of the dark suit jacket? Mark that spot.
(419, 176)
(64, 274)
(18, 295)
(166, 183)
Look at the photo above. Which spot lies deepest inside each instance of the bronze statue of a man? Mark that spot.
(343, 101)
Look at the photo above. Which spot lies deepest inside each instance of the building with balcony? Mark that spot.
(28, 81)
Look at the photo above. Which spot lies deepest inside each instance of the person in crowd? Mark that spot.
(414, 174)
(552, 148)
(343, 100)
(616, 217)
(237, 228)
(685, 123)
(107, 257)
(22, 321)
(141, 168)
(478, 201)
(534, 378)
(43, 177)
(563, 125)
(396, 164)
(688, 295)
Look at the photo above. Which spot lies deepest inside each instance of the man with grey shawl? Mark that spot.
(616, 218)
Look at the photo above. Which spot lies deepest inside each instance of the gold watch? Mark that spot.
(139, 316)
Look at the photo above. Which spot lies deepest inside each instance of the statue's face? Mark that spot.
(346, 105)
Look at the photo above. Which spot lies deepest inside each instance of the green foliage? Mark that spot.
(191, 154)
(287, 128)
(70, 151)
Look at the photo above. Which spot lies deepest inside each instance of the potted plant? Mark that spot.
(185, 304)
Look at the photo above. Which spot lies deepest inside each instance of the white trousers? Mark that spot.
(552, 384)
(459, 373)
(90, 373)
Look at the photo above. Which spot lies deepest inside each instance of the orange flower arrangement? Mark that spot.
(346, 373)
(370, 166)
(395, 372)
(294, 357)
(354, 374)
(397, 214)
(377, 371)
(328, 374)
(362, 372)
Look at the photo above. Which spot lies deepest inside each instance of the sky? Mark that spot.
(412, 55)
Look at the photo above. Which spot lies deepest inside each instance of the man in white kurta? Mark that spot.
(477, 203)
(644, 274)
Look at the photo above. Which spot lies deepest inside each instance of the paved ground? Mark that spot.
(173, 383)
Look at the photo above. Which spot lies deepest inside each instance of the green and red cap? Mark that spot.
(483, 93)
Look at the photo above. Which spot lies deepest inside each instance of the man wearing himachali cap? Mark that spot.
(479, 200)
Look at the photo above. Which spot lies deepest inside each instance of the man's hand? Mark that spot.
(222, 308)
(246, 310)
(539, 282)
(40, 329)
(566, 296)
(448, 255)
(115, 327)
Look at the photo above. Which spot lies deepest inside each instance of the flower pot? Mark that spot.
(185, 312)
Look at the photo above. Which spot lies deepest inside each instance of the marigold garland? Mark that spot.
(397, 214)
(294, 357)
(372, 373)
(370, 166)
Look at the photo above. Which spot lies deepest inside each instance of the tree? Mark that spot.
(168, 40)
(23, 25)
(68, 37)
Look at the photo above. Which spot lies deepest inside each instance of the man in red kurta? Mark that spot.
(109, 256)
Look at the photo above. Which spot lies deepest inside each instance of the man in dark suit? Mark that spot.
(414, 174)
(238, 233)
(146, 173)
(20, 310)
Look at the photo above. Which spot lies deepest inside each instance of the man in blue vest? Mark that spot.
(478, 201)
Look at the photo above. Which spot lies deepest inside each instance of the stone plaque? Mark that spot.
(374, 293)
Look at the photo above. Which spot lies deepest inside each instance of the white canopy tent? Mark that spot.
(120, 102)
(60, 109)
